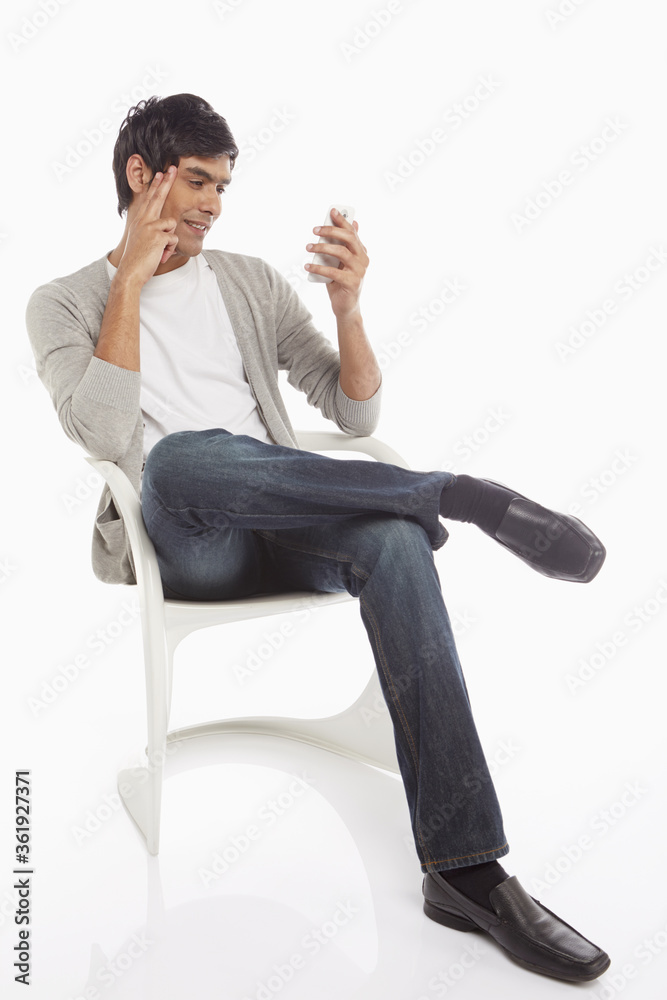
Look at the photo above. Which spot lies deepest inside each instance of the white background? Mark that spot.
(584, 426)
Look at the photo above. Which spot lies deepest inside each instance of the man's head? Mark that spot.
(162, 131)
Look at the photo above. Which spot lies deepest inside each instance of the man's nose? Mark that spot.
(209, 205)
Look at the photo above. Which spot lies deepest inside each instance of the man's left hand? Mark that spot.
(345, 288)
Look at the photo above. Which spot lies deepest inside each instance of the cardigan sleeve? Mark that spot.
(313, 363)
(98, 403)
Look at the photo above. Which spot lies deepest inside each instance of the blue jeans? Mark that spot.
(231, 516)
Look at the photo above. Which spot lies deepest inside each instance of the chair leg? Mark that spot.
(141, 787)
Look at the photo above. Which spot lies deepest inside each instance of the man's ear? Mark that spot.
(137, 173)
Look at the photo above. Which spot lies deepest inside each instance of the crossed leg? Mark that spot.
(230, 516)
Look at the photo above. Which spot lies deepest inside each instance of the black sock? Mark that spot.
(476, 501)
(476, 881)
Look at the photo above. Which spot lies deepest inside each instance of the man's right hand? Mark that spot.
(151, 240)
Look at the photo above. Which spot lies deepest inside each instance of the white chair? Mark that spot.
(165, 623)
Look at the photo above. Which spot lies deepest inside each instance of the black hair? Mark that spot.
(162, 130)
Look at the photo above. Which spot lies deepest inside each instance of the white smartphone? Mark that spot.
(325, 259)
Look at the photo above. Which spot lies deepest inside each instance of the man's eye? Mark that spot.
(221, 190)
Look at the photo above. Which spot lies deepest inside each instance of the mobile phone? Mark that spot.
(325, 259)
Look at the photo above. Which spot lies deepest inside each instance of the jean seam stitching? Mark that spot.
(406, 727)
(462, 857)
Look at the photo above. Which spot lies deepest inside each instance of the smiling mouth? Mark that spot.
(201, 229)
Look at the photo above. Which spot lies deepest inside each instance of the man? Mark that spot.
(163, 357)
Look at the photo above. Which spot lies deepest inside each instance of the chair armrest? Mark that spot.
(337, 441)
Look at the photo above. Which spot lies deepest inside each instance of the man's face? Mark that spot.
(195, 199)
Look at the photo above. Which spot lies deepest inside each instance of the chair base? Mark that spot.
(333, 733)
(137, 788)
(140, 787)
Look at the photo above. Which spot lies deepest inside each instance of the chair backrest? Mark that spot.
(128, 503)
(147, 571)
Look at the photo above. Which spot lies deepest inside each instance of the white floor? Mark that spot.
(321, 894)
(290, 871)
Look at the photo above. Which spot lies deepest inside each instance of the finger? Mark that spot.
(354, 262)
(340, 220)
(165, 226)
(349, 236)
(356, 229)
(346, 276)
(333, 249)
(157, 196)
(328, 272)
(345, 238)
(336, 232)
(169, 249)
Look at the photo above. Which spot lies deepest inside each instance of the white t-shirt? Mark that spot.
(192, 375)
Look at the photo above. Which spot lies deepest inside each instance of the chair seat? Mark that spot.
(184, 617)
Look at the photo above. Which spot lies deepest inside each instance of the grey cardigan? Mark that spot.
(98, 403)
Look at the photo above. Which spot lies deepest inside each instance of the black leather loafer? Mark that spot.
(557, 545)
(532, 935)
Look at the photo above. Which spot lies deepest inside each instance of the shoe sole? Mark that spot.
(459, 923)
(462, 923)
